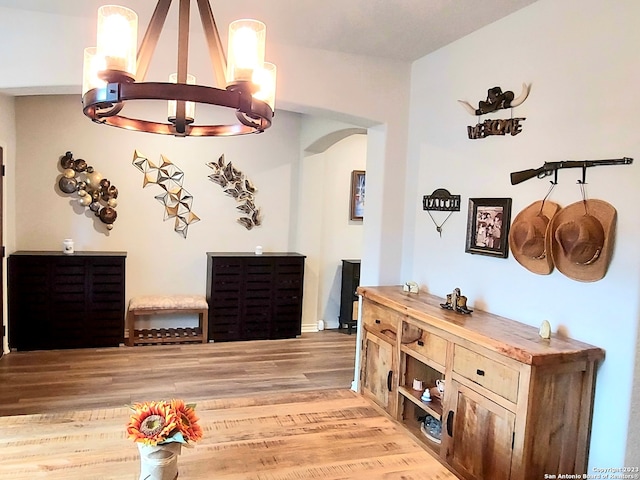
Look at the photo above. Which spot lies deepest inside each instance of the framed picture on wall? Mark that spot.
(488, 226)
(357, 194)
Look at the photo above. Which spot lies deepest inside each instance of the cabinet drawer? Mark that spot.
(380, 320)
(428, 345)
(490, 374)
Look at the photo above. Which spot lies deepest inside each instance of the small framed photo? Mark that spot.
(488, 226)
(357, 195)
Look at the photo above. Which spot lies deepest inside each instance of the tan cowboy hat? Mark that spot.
(583, 235)
(529, 237)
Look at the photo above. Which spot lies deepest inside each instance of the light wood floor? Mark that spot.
(322, 434)
(270, 410)
(60, 380)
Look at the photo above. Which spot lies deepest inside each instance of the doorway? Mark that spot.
(3, 253)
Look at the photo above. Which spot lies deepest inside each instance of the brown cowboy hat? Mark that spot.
(583, 235)
(530, 239)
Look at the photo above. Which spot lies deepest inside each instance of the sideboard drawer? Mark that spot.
(429, 345)
(380, 320)
(486, 372)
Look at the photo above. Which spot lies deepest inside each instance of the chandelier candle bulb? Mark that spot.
(265, 79)
(190, 107)
(117, 41)
(92, 65)
(246, 50)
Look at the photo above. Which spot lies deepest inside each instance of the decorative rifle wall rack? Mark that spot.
(552, 168)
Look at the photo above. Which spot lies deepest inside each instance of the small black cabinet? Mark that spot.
(254, 297)
(350, 281)
(66, 301)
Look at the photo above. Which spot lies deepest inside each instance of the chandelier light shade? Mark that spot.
(115, 75)
(190, 107)
(246, 50)
(117, 41)
(265, 79)
(92, 65)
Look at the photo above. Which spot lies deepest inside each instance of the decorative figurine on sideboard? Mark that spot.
(410, 287)
(456, 302)
(545, 330)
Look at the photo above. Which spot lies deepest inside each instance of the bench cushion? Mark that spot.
(168, 302)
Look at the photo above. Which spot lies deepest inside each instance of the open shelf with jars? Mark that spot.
(412, 409)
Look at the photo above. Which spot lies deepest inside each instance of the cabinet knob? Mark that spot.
(421, 343)
(480, 372)
(377, 321)
(389, 378)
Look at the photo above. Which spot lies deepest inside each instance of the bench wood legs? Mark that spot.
(167, 335)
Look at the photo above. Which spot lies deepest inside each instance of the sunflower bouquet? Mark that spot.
(164, 422)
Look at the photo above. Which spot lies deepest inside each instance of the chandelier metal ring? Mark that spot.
(104, 106)
(114, 74)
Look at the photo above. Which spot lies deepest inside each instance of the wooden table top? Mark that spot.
(325, 434)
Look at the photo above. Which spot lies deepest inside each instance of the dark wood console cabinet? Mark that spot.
(254, 297)
(348, 296)
(58, 300)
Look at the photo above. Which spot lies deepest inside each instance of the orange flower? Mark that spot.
(152, 422)
(187, 421)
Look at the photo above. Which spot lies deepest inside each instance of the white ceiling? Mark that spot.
(394, 29)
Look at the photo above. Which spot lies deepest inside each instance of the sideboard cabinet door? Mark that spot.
(378, 371)
(478, 434)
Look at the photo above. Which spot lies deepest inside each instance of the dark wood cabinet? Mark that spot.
(66, 301)
(254, 297)
(350, 281)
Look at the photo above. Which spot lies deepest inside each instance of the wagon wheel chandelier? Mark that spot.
(113, 74)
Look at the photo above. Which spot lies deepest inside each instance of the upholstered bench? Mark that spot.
(166, 305)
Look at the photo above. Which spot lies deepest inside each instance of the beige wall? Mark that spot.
(575, 53)
(324, 230)
(159, 259)
(8, 143)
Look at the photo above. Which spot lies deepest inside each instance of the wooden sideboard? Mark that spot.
(515, 406)
(58, 300)
(254, 297)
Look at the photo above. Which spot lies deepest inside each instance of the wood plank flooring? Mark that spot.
(60, 380)
(270, 410)
(322, 434)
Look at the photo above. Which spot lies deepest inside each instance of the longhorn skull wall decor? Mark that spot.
(496, 100)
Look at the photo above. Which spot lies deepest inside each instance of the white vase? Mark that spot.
(159, 462)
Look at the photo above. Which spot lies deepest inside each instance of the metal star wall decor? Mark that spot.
(235, 184)
(176, 200)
